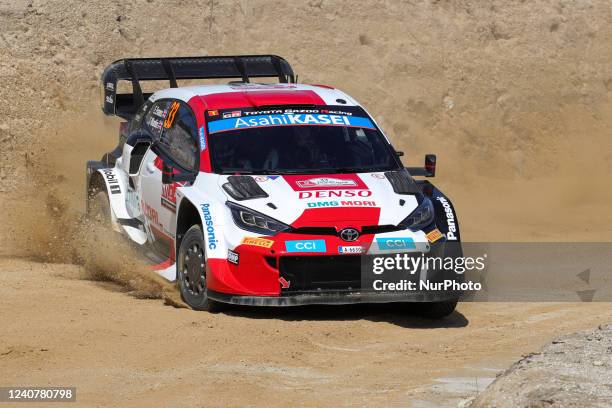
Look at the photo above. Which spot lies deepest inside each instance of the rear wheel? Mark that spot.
(98, 208)
(191, 268)
(437, 310)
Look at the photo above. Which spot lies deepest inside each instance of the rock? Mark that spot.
(558, 376)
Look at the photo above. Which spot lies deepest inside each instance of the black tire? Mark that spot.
(191, 271)
(437, 310)
(98, 208)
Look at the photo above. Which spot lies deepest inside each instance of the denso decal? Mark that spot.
(334, 193)
(113, 183)
(289, 119)
(343, 203)
(395, 243)
(209, 227)
(309, 245)
(325, 182)
(450, 219)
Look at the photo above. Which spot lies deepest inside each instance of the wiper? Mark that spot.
(356, 169)
(240, 172)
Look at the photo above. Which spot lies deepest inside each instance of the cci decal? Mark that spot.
(288, 119)
(395, 243)
(260, 242)
(209, 229)
(450, 219)
(311, 245)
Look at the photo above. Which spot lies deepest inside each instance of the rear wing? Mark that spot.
(134, 70)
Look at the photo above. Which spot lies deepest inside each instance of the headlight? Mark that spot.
(254, 221)
(421, 217)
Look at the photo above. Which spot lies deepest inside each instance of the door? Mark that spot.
(173, 126)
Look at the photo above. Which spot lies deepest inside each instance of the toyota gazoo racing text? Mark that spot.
(262, 194)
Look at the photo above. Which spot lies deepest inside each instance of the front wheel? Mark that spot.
(191, 271)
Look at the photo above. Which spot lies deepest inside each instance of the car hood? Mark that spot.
(338, 200)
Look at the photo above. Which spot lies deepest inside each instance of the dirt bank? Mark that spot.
(570, 371)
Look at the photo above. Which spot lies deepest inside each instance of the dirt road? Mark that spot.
(58, 329)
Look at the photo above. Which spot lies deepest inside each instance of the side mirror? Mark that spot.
(430, 165)
(429, 170)
(169, 176)
(167, 173)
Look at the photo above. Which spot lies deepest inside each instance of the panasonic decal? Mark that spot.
(451, 235)
(208, 226)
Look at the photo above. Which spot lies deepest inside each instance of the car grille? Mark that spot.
(366, 229)
(310, 274)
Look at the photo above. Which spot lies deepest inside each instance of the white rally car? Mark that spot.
(261, 194)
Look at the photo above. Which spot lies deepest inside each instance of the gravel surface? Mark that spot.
(571, 371)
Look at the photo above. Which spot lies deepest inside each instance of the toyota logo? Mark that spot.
(349, 234)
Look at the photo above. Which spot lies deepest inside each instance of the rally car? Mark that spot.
(259, 193)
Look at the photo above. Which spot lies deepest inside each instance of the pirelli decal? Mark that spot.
(113, 183)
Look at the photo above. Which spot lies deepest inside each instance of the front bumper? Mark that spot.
(300, 279)
(333, 298)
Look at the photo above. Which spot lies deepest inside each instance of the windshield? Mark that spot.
(290, 140)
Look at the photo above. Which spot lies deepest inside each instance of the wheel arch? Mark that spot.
(445, 212)
(187, 215)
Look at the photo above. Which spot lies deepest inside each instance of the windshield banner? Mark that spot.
(288, 119)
